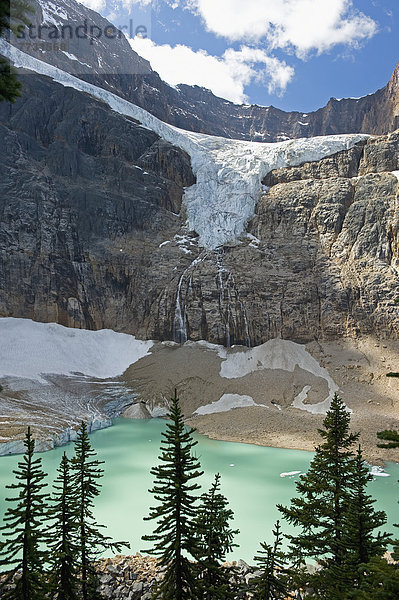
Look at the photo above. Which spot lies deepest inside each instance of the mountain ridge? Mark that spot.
(195, 108)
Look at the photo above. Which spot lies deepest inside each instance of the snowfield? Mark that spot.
(29, 350)
(229, 172)
(227, 402)
(284, 355)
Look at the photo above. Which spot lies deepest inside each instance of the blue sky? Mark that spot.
(293, 54)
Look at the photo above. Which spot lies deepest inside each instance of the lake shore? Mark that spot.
(357, 368)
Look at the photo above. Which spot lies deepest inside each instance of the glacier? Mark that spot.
(228, 172)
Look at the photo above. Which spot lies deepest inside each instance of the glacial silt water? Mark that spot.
(251, 479)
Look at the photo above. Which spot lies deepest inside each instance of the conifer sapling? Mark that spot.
(24, 528)
(174, 538)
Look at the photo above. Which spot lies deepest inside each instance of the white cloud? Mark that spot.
(296, 27)
(97, 5)
(226, 76)
(300, 26)
(245, 64)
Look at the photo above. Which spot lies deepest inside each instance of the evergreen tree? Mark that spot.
(379, 580)
(319, 508)
(13, 15)
(24, 528)
(174, 538)
(390, 436)
(63, 536)
(392, 439)
(86, 472)
(215, 541)
(361, 521)
(273, 582)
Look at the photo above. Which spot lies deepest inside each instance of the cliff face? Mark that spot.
(113, 65)
(82, 192)
(93, 234)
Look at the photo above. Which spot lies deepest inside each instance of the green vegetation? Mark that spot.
(13, 16)
(51, 543)
(334, 515)
(392, 437)
(63, 536)
(272, 583)
(24, 527)
(86, 471)
(174, 537)
(215, 538)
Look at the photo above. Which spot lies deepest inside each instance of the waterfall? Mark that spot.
(180, 334)
(180, 322)
(225, 316)
(247, 336)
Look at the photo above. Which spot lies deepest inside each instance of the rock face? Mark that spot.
(93, 234)
(76, 191)
(113, 65)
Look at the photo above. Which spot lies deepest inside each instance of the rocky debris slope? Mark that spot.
(134, 577)
(113, 65)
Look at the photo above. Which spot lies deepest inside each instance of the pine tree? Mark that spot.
(319, 508)
(13, 15)
(390, 436)
(86, 472)
(361, 521)
(174, 538)
(215, 541)
(273, 582)
(63, 536)
(24, 528)
(379, 580)
(392, 439)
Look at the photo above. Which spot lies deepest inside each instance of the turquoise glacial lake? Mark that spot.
(251, 480)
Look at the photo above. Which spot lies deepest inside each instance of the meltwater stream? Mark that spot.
(251, 479)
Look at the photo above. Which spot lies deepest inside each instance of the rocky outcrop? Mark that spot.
(112, 64)
(93, 234)
(135, 577)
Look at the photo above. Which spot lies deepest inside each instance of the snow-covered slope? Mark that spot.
(229, 172)
(30, 350)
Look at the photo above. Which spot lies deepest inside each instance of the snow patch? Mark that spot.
(158, 411)
(290, 474)
(396, 173)
(227, 402)
(73, 57)
(229, 173)
(284, 355)
(320, 408)
(207, 345)
(378, 472)
(29, 349)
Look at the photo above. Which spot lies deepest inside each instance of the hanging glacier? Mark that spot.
(228, 172)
